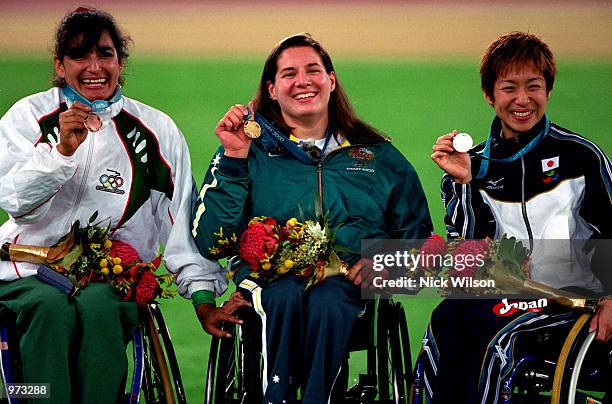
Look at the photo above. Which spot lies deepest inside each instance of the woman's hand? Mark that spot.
(210, 316)
(72, 128)
(362, 274)
(453, 162)
(602, 321)
(230, 131)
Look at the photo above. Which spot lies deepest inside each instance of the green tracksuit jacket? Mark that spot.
(369, 191)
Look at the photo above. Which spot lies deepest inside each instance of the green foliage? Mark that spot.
(512, 254)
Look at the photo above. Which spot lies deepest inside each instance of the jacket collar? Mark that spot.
(502, 148)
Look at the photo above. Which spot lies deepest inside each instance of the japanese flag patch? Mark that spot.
(550, 164)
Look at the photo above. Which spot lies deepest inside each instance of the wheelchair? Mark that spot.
(156, 373)
(580, 372)
(234, 364)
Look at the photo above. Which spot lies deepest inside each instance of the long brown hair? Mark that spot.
(342, 116)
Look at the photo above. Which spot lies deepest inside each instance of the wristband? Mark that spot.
(203, 297)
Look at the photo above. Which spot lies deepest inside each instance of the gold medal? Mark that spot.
(252, 129)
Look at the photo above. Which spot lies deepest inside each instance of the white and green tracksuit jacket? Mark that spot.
(135, 171)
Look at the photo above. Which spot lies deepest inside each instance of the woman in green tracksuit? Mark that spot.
(314, 155)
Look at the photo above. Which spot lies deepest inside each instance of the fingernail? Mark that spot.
(228, 335)
(240, 321)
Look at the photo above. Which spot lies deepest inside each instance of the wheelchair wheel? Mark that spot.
(405, 344)
(393, 351)
(576, 379)
(160, 384)
(233, 373)
(10, 367)
(221, 375)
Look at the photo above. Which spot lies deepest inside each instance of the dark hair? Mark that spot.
(513, 50)
(90, 23)
(342, 117)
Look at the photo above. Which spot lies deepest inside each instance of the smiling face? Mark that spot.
(520, 99)
(302, 86)
(93, 73)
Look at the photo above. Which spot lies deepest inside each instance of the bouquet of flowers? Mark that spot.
(503, 261)
(89, 254)
(272, 250)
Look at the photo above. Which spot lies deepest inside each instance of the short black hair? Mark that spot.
(514, 50)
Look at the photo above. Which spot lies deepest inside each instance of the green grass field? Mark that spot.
(412, 101)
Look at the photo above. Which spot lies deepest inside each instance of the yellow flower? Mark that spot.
(108, 244)
(117, 269)
(104, 271)
(266, 265)
(94, 246)
(230, 275)
(292, 222)
(288, 264)
(103, 263)
(282, 270)
(117, 261)
(255, 275)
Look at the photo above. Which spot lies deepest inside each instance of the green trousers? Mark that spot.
(77, 345)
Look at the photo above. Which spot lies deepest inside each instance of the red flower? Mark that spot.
(258, 241)
(125, 251)
(270, 221)
(469, 263)
(305, 272)
(147, 288)
(432, 250)
(157, 261)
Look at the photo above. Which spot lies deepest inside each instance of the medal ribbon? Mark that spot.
(272, 137)
(72, 95)
(484, 166)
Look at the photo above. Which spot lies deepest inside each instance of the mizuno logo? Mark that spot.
(494, 184)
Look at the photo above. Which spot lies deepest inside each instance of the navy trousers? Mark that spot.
(470, 348)
(304, 335)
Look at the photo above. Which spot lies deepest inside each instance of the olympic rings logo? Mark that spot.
(111, 182)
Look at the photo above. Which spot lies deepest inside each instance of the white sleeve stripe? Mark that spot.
(464, 206)
(201, 206)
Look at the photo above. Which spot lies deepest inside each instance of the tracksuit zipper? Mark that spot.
(524, 206)
(83, 185)
(320, 184)
(320, 172)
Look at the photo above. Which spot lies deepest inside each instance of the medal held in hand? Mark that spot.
(462, 142)
(92, 122)
(252, 128)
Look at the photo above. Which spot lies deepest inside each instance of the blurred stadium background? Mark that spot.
(410, 69)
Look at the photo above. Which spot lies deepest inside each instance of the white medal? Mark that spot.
(462, 142)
